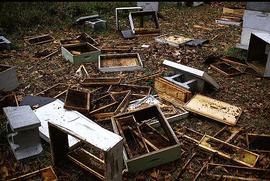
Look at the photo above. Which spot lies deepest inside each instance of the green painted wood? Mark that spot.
(154, 159)
(83, 58)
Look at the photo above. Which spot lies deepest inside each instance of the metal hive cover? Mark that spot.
(21, 117)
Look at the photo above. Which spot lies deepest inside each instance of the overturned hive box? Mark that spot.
(154, 150)
(259, 53)
(39, 39)
(77, 100)
(119, 62)
(80, 53)
(214, 109)
(144, 29)
(104, 159)
(8, 78)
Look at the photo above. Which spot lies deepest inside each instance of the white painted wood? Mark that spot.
(257, 20)
(245, 35)
(74, 121)
(149, 6)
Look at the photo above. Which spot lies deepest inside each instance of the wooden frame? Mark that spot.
(121, 107)
(172, 40)
(82, 38)
(50, 39)
(99, 81)
(110, 144)
(144, 90)
(220, 67)
(8, 100)
(172, 90)
(214, 109)
(72, 98)
(239, 155)
(125, 62)
(47, 174)
(262, 142)
(157, 157)
(111, 102)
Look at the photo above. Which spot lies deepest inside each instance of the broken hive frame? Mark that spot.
(258, 143)
(154, 158)
(235, 153)
(82, 38)
(99, 81)
(246, 172)
(119, 62)
(122, 100)
(110, 145)
(77, 100)
(47, 174)
(141, 15)
(40, 39)
(225, 68)
(54, 90)
(123, 9)
(162, 86)
(135, 89)
(214, 109)
(101, 103)
(173, 40)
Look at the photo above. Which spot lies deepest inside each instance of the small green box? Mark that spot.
(80, 53)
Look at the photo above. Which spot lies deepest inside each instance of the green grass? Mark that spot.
(20, 17)
(236, 53)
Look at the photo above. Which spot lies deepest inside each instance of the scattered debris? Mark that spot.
(80, 53)
(196, 42)
(38, 40)
(99, 151)
(214, 109)
(47, 174)
(8, 78)
(259, 53)
(144, 146)
(119, 62)
(22, 130)
(81, 72)
(54, 91)
(4, 43)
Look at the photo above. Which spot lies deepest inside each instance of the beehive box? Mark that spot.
(153, 158)
(80, 53)
(119, 62)
(8, 78)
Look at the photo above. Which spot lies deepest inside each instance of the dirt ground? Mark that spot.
(249, 92)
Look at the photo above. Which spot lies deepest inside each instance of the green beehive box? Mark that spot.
(80, 53)
(153, 158)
